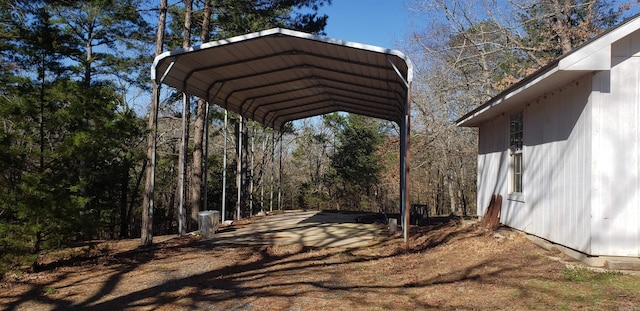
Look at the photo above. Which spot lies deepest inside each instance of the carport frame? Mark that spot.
(358, 68)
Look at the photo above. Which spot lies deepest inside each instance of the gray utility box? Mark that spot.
(208, 222)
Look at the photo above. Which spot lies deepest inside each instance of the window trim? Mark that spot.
(516, 156)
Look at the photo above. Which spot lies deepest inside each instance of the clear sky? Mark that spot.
(384, 23)
(376, 22)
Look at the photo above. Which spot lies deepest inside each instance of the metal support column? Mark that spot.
(183, 167)
(273, 168)
(239, 169)
(206, 158)
(224, 169)
(280, 175)
(405, 132)
(253, 141)
(262, 167)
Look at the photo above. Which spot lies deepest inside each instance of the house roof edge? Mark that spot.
(565, 62)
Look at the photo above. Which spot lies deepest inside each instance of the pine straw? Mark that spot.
(449, 267)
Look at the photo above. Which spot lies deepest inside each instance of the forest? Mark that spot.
(75, 101)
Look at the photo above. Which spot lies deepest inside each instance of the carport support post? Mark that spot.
(224, 168)
(253, 141)
(280, 176)
(273, 168)
(206, 158)
(239, 169)
(404, 166)
(183, 164)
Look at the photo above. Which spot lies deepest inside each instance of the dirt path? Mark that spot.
(447, 267)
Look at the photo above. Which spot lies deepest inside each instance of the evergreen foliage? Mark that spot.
(72, 157)
(69, 145)
(355, 162)
(342, 163)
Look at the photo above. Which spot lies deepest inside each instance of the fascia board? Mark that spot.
(596, 55)
(589, 59)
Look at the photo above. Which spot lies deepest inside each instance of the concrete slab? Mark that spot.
(308, 228)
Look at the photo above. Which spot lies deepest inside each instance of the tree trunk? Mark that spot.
(562, 25)
(186, 118)
(453, 197)
(198, 136)
(134, 196)
(124, 193)
(146, 236)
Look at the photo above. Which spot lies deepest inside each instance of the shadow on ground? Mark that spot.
(438, 269)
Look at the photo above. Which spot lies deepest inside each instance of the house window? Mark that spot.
(515, 143)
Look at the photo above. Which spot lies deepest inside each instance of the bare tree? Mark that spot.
(470, 51)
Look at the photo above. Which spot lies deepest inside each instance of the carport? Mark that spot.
(278, 75)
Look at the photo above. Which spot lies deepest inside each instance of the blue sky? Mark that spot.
(376, 22)
(383, 23)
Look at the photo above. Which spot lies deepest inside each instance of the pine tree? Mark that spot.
(355, 162)
(67, 142)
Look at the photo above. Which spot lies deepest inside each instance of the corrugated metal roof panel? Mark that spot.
(279, 75)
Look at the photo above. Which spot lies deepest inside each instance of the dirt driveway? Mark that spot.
(307, 228)
(451, 266)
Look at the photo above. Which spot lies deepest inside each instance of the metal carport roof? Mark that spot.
(279, 75)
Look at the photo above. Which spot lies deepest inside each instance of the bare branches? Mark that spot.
(468, 52)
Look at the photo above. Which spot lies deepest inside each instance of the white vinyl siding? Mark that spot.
(493, 161)
(616, 203)
(581, 164)
(556, 165)
(558, 160)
